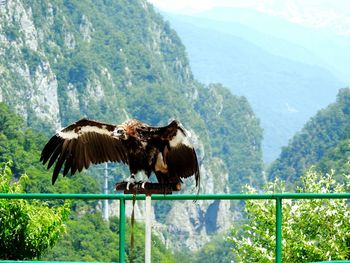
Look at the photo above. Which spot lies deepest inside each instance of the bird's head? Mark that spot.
(120, 133)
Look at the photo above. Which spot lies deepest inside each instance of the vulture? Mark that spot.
(165, 151)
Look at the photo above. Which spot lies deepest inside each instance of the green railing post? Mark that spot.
(122, 230)
(278, 230)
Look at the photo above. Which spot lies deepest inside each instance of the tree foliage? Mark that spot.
(217, 250)
(17, 142)
(336, 159)
(27, 229)
(90, 238)
(313, 230)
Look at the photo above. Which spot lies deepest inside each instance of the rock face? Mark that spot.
(28, 82)
(193, 223)
(70, 59)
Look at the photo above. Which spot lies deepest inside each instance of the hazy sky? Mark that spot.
(195, 6)
(317, 13)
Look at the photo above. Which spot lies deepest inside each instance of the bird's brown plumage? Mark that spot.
(166, 151)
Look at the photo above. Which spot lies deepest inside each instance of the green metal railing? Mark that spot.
(278, 197)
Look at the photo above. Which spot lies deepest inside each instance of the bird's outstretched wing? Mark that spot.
(79, 145)
(179, 153)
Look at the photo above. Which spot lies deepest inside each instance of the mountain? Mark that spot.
(270, 72)
(115, 59)
(322, 142)
(326, 44)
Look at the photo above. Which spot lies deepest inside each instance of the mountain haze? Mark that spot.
(327, 45)
(271, 72)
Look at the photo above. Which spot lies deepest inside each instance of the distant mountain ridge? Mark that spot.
(270, 43)
(284, 90)
(330, 47)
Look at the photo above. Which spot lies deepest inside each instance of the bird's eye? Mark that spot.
(120, 131)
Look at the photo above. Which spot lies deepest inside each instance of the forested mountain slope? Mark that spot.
(324, 138)
(114, 59)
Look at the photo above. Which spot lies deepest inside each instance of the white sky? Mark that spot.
(318, 13)
(195, 6)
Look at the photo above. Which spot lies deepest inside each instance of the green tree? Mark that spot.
(27, 229)
(313, 230)
(19, 143)
(337, 159)
(90, 238)
(217, 250)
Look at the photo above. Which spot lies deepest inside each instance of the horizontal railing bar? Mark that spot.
(177, 196)
(277, 196)
(251, 196)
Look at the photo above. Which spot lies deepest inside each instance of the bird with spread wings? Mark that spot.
(166, 151)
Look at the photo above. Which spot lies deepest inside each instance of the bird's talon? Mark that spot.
(131, 180)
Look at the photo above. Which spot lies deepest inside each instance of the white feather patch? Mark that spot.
(69, 135)
(180, 138)
(160, 165)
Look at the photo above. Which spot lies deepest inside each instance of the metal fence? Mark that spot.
(278, 197)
